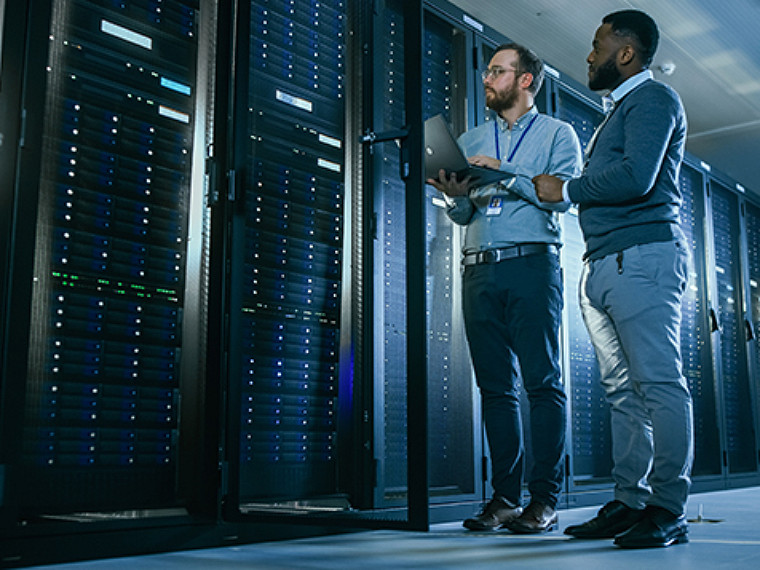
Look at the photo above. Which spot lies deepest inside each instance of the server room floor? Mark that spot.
(728, 536)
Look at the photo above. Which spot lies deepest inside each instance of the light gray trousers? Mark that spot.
(631, 304)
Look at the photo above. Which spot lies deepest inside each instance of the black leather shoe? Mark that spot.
(612, 519)
(537, 517)
(497, 513)
(659, 527)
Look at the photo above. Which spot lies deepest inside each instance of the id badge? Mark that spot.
(494, 206)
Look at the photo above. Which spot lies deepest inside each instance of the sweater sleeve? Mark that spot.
(460, 209)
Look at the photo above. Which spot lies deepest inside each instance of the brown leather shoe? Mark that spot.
(497, 513)
(537, 517)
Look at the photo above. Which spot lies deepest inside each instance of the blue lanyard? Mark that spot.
(520, 140)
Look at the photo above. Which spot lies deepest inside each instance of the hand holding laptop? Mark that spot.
(449, 184)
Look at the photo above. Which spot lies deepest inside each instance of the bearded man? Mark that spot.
(512, 287)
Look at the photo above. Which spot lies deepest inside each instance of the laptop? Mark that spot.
(442, 151)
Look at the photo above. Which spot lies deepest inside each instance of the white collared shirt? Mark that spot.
(629, 85)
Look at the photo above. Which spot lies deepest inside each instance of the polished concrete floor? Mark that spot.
(724, 533)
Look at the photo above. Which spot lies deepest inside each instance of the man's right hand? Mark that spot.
(450, 186)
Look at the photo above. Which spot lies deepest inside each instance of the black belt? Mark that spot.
(501, 253)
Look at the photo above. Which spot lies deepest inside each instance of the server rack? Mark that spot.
(451, 393)
(450, 388)
(731, 334)
(752, 314)
(695, 327)
(293, 256)
(101, 389)
(292, 394)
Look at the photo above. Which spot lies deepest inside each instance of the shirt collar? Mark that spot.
(626, 87)
(519, 123)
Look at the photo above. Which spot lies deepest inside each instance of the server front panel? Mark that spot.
(695, 333)
(740, 451)
(290, 254)
(102, 421)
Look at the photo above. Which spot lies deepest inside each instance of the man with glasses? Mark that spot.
(512, 287)
(632, 283)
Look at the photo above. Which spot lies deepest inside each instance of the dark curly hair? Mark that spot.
(638, 26)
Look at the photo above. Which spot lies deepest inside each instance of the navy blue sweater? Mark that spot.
(628, 193)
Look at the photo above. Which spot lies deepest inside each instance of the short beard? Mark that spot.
(503, 100)
(606, 76)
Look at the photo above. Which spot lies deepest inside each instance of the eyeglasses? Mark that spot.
(494, 72)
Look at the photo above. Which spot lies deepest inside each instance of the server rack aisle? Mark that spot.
(336, 390)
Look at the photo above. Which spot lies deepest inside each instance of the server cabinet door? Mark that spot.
(294, 423)
(100, 258)
(695, 328)
(738, 411)
(452, 431)
(13, 23)
(752, 318)
(285, 202)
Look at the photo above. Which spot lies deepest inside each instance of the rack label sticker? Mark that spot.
(173, 114)
(294, 101)
(126, 34)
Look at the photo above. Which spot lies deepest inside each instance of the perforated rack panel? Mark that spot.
(293, 243)
(753, 251)
(738, 418)
(450, 383)
(695, 338)
(391, 261)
